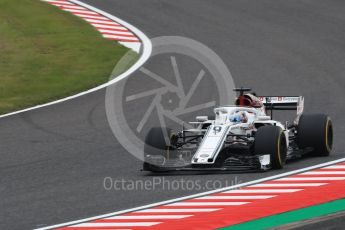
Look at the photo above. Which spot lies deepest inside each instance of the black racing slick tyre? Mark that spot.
(157, 146)
(155, 141)
(315, 131)
(271, 140)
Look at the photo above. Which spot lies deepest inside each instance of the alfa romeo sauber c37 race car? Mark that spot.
(240, 137)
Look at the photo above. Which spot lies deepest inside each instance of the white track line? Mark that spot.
(144, 56)
(310, 178)
(150, 208)
(324, 173)
(177, 210)
(291, 185)
(335, 167)
(263, 191)
(191, 204)
(234, 197)
(148, 217)
(118, 224)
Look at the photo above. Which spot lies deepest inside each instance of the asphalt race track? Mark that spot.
(54, 160)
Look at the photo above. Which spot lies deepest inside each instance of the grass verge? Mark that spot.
(291, 217)
(46, 54)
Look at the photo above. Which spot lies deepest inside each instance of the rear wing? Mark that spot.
(284, 103)
(281, 102)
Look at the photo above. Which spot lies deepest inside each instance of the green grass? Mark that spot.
(46, 54)
(291, 217)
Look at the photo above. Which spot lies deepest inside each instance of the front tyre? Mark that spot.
(315, 131)
(156, 148)
(270, 140)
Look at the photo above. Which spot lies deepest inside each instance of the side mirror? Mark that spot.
(202, 118)
(264, 118)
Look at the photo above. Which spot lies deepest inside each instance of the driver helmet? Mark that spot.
(249, 100)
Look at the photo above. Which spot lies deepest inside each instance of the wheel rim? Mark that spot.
(329, 135)
(282, 149)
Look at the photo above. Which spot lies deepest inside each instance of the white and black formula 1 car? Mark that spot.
(241, 137)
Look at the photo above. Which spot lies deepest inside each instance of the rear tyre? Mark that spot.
(271, 140)
(315, 131)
